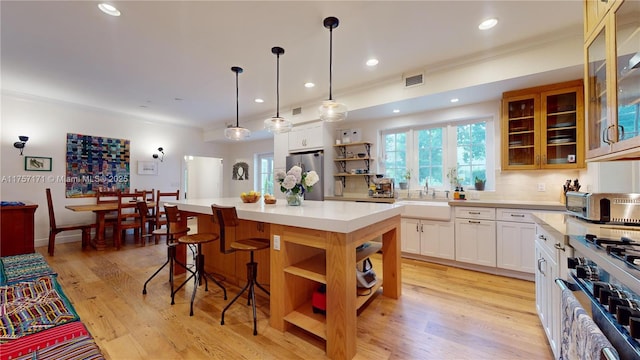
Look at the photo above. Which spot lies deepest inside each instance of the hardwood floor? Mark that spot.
(444, 313)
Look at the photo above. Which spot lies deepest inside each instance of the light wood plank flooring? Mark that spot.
(444, 313)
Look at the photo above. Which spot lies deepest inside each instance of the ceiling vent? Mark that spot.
(296, 111)
(413, 80)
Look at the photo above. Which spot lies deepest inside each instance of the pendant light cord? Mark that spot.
(278, 85)
(237, 103)
(330, 60)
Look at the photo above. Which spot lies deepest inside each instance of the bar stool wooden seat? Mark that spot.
(194, 242)
(172, 231)
(228, 217)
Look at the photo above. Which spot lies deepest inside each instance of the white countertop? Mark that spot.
(336, 216)
(569, 225)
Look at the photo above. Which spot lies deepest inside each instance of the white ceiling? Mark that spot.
(159, 51)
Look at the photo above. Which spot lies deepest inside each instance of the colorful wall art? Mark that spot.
(95, 162)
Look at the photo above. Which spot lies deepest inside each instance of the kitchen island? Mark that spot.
(311, 245)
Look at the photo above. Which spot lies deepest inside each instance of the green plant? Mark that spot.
(480, 181)
(407, 175)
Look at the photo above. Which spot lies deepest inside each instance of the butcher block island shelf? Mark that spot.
(314, 238)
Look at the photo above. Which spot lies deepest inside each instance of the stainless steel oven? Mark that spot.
(605, 274)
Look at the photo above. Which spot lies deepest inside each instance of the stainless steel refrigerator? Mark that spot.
(310, 161)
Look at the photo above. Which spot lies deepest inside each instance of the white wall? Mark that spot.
(514, 185)
(47, 124)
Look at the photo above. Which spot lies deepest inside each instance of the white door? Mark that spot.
(203, 177)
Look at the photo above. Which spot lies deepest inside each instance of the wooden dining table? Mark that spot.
(101, 210)
(99, 242)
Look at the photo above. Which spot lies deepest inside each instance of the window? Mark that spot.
(395, 150)
(429, 153)
(265, 173)
(471, 153)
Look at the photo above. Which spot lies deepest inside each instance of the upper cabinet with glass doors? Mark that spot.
(612, 80)
(542, 127)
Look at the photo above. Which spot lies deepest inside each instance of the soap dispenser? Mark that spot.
(456, 194)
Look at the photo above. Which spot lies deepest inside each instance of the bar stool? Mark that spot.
(172, 230)
(194, 242)
(228, 217)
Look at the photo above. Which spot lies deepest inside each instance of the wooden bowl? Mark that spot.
(270, 201)
(250, 198)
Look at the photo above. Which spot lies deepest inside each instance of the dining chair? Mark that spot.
(161, 217)
(147, 220)
(110, 218)
(228, 217)
(128, 217)
(55, 229)
(149, 196)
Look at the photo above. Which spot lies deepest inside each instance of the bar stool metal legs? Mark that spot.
(252, 273)
(171, 255)
(197, 275)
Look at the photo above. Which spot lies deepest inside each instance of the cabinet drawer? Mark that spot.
(514, 215)
(476, 213)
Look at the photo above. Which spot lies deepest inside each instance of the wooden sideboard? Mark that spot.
(17, 229)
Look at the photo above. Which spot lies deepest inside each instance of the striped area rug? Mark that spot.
(31, 306)
(23, 267)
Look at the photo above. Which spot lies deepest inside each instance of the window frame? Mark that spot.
(449, 152)
(259, 171)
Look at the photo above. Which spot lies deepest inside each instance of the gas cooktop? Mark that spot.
(619, 257)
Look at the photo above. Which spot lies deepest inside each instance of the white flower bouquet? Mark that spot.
(296, 181)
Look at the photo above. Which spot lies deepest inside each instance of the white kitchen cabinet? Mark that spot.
(547, 293)
(307, 137)
(437, 239)
(428, 238)
(475, 234)
(410, 236)
(515, 237)
(476, 241)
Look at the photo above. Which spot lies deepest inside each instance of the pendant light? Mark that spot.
(331, 110)
(277, 124)
(237, 132)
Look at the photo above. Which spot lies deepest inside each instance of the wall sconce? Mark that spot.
(20, 144)
(155, 156)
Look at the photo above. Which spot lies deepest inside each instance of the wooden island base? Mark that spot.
(308, 258)
(310, 246)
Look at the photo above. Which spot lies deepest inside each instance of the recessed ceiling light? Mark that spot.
(309, 85)
(454, 100)
(259, 101)
(488, 24)
(396, 111)
(372, 62)
(109, 9)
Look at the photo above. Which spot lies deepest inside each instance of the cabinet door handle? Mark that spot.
(559, 246)
(518, 215)
(474, 212)
(621, 133)
(474, 222)
(417, 227)
(542, 237)
(544, 159)
(537, 159)
(540, 261)
(605, 135)
(421, 228)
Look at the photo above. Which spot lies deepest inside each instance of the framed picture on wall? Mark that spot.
(37, 163)
(147, 168)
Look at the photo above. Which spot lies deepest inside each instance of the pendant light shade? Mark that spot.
(331, 110)
(277, 124)
(237, 132)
